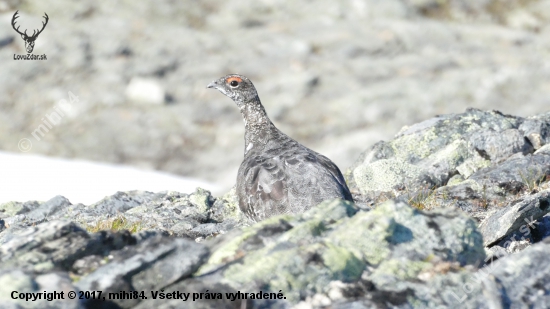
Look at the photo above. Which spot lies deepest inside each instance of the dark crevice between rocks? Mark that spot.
(258, 240)
(483, 154)
(215, 272)
(528, 148)
(314, 258)
(543, 204)
(388, 299)
(358, 289)
(512, 187)
(450, 175)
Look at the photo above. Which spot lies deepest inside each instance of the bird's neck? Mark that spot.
(258, 127)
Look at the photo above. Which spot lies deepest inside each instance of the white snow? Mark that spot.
(25, 177)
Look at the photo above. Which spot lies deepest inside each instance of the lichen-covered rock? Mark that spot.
(428, 154)
(18, 215)
(197, 215)
(227, 209)
(301, 255)
(521, 280)
(488, 186)
(520, 215)
(477, 161)
(56, 245)
(149, 266)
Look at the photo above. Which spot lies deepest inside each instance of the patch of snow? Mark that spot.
(25, 177)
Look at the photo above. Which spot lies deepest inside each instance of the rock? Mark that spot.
(121, 202)
(131, 269)
(427, 154)
(52, 288)
(536, 131)
(494, 185)
(56, 245)
(47, 209)
(16, 208)
(481, 162)
(301, 255)
(521, 214)
(197, 286)
(196, 216)
(497, 146)
(521, 280)
(227, 208)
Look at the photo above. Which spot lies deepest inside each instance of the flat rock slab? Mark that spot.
(151, 265)
(522, 214)
(56, 245)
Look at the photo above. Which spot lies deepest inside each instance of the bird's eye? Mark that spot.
(234, 83)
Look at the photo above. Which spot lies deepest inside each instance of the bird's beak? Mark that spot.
(213, 84)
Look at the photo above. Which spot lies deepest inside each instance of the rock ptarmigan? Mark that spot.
(278, 175)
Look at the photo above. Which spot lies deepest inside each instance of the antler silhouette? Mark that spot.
(34, 33)
(13, 23)
(43, 25)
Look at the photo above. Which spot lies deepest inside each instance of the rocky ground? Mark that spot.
(451, 213)
(336, 75)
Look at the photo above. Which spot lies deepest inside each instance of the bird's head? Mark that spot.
(238, 87)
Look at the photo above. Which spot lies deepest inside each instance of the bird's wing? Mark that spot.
(288, 183)
(262, 188)
(336, 174)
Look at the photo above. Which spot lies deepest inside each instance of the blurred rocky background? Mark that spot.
(337, 76)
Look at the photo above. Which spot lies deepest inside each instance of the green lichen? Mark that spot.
(307, 229)
(43, 267)
(231, 208)
(414, 145)
(230, 248)
(384, 175)
(297, 268)
(367, 237)
(10, 209)
(310, 224)
(201, 199)
(453, 154)
(330, 211)
(326, 244)
(295, 258)
(472, 165)
(343, 264)
(456, 179)
(118, 223)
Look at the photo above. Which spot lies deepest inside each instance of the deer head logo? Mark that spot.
(29, 40)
